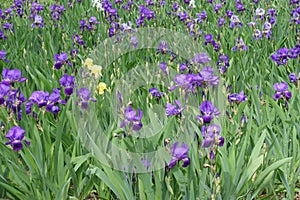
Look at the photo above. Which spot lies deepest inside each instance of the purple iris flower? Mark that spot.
(84, 96)
(19, 7)
(163, 67)
(134, 41)
(294, 52)
(223, 63)
(201, 58)
(56, 12)
(294, 2)
(53, 100)
(2, 36)
(234, 21)
(60, 59)
(68, 82)
(44, 99)
(282, 90)
(211, 136)
(257, 34)
(238, 98)
(11, 76)
(16, 136)
(14, 101)
(132, 118)
(229, 13)
(163, 47)
(240, 7)
(35, 9)
(281, 56)
(38, 97)
(259, 13)
(295, 15)
(73, 52)
(8, 26)
(207, 73)
(208, 39)
(207, 112)
(188, 82)
(223, 59)
(183, 16)
(178, 154)
(217, 7)
(293, 78)
(155, 93)
(221, 21)
(145, 13)
(240, 45)
(3, 56)
(82, 25)
(267, 29)
(252, 24)
(174, 109)
(182, 66)
(90, 26)
(4, 90)
(38, 21)
(77, 39)
(201, 16)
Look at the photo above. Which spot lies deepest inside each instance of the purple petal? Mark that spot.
(186, 162)
(172, 162)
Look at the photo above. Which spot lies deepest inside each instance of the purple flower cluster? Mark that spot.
(11, 98)
(209, 40)
(44, 99)
(295, 16)
(282, 55)
(35, 9)
(19, 7)
(223, 63)
(145, 14)
(89, 25)
(6, 14)
(56, 12)
(190, 81)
